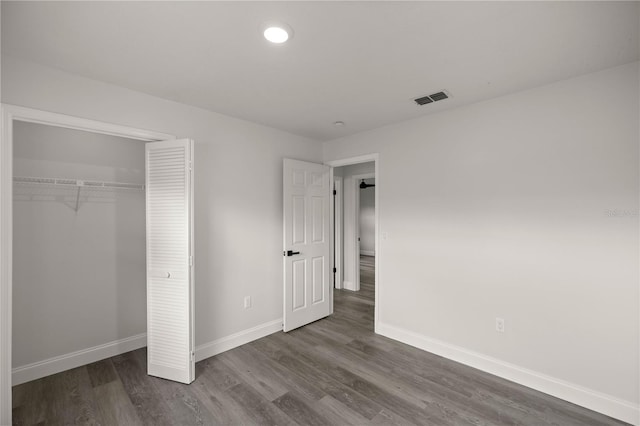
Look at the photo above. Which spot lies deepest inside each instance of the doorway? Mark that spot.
(356, 273)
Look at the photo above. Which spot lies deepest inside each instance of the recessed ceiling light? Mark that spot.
(276, 32)
(338, 123)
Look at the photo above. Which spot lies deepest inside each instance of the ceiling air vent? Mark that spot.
(431, 98)
(424, 100)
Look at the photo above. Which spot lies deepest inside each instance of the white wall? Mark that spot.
(78, 277)
(367, 219)
(238, 187)
(503, 209)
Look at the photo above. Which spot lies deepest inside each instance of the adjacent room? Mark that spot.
(328, 213)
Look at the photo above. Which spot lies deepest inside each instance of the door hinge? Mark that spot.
(335, 192)
(193, 355)
(190, 261)
(335, 270)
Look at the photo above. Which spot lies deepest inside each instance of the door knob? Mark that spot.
(291, 253)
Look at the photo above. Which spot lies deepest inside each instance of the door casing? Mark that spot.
(337, 233)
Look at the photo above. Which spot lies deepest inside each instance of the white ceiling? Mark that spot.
(359, 62)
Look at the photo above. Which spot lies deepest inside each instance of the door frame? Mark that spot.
(338, 212)
(355, 222)
(10, 114)
(375, 157)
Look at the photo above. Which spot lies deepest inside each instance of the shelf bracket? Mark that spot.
(80, 184)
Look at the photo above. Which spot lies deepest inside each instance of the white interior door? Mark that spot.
(307, 245)
(169, 204)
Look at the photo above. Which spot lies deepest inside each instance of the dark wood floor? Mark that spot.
(335, 371)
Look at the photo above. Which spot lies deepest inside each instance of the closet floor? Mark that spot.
(333, 371)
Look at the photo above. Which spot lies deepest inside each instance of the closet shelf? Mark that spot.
(77, 183)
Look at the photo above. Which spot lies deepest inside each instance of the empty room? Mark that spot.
(320, 213)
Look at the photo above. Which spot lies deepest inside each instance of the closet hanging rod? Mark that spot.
(77, 183)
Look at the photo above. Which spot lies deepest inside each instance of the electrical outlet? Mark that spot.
(500, 325)
(247, 302)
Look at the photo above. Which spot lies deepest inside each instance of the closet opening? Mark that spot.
(67, 192)
(79, 267)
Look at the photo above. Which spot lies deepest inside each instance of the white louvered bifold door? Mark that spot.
(169, 192)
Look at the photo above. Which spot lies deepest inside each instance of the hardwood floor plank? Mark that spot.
(224, 409)
(317, 333)
(81, 408)
(295, 407)
(151, 408)
(29, 403)
(221, 376)
(295, 383)
(310, 369)
(402, 407)
(114, 405)
(253, 374)
(337, 413)
(386, 418)
(101, 372)
(184, 406)
(260, 410)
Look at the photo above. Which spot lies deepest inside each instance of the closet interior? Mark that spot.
(79, 277)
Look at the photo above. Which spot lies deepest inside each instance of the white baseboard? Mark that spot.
(237, 339)
(348, 285)
(591, 399)
(50, 366)
(367, 252)
(57, 364)
(71, 360)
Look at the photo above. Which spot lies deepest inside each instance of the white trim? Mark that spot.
(337, 242)
(375, 157)
(353, 160)
(332, 240)
(57, 364)
(6, 241)
(364, 176)
(240, 338)
(70, 122)
(606, 404)
(367, 253)
(348, 285)
(18, 113)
